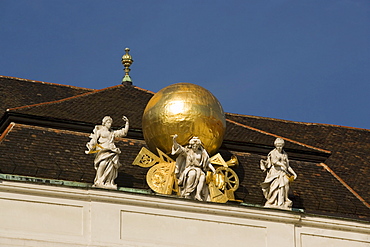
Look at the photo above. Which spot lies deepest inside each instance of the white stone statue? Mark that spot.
(106, 161)
(276, 185)
(192, 165)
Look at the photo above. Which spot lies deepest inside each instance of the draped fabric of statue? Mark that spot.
(192, 165)
(275, 187)
(106, 162)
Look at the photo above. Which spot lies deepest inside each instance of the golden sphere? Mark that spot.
(187, 110)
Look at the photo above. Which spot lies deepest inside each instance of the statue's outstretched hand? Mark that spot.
(175, 136)
(124, 118)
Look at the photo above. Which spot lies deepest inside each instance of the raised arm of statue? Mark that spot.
(176, 148)
(181, 159)
(123, 131)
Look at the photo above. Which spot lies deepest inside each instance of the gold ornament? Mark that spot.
(126, 62)
(161, 176)
(187, 110)
(225, 181)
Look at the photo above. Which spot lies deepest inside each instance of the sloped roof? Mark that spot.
(330, 188)
(91, 107)
(239, 135)
(315, 189)
(350, 158)
(59, 154)
(15, 92)
(131, 101)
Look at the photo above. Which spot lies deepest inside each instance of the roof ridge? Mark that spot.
(61, 100)
(277, 136)
(6, 131)
(43, 82)
(142, 89)
(298, 122)
(328, 169)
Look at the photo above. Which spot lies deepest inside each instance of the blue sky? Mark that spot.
(305, 61)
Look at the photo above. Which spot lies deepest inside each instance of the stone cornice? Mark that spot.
(183, 205)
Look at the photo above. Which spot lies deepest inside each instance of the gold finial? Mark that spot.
(127, 61)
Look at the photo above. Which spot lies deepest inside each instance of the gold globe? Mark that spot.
(187, 110)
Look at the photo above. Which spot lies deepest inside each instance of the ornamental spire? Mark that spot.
(127, 61)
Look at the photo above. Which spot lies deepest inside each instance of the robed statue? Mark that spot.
(106, 161)
(192, 164)
(275, 188)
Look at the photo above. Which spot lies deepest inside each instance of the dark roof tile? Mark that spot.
(92, 107)
(15, 92)
(350, 158)
(238, 132)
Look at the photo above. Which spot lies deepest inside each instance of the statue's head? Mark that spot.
(195, 142)
(279, 144)
(107, 121)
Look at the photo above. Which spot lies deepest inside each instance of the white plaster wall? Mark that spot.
(42, 215)
(317, 231)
